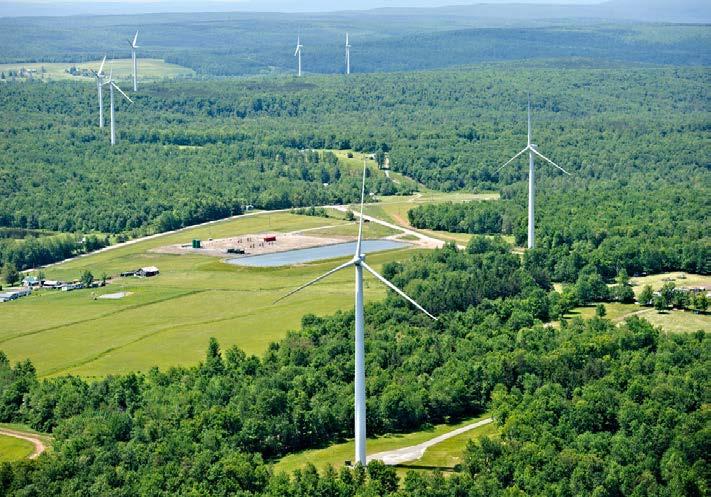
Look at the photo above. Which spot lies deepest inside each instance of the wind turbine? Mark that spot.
(532, 150)
(348, 56)
(297, 53)
(113, 85)
(99, 84)
(358, 261)
(133, 45)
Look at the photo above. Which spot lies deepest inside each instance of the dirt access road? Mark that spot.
(415, 452)
(33, 438)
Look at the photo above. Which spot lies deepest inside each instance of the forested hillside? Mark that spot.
(222, 44)
(634, 139)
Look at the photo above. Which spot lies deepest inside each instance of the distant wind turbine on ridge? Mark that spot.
(532, 150)
(99, 75)
(358, 261)
(297, 53)
(348, 56)
(113, 85)
(134, 46)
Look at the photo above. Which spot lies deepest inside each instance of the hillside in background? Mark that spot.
(656, 10)
(382, 40)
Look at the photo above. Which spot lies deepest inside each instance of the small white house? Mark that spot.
(31, 281)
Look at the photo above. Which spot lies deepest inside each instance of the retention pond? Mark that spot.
(315, 253)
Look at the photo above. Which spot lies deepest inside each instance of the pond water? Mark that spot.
(315, 253)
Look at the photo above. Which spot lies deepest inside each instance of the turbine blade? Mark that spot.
(315, 280)
(549, 161)
(101, 67)
(135, 39)
(512, 159)
(395, 289)
(360, 222)
(121, 91)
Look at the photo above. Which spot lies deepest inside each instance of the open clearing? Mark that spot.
(21, 442)
(672, 320)
(148, 69)
(337, 454)
(415, 452)
(14, 449)
(446, 455)
(167, 320)
(656, 281)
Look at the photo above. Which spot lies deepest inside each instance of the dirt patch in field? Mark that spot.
(252, 244)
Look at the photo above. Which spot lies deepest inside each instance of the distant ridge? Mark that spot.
(683, 11)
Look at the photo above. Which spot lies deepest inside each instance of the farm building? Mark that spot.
(52, 284)
(147, 272)
(31, 281)
(68, 287)
(14, 294)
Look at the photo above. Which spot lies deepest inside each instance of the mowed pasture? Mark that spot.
(167, 320)
(14, 449)
(676, 321)
(148, 69)
(443, 455)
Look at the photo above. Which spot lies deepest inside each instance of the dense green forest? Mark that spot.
(223, 44)
(635, 139)
(591, 409)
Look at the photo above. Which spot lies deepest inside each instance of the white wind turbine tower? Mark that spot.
(532, 150)
(134, 46)
(358, 261)
(297, 53)
(99, 86)
(113, 85)
(348, 56)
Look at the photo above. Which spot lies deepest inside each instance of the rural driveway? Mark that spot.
(30, 437)
(415, 452)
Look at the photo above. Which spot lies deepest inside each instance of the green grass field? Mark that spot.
(337, 454)
(148, 69)
(674, 321)
(679, 279)
(168, 319)
(394, 209)
(14, 449)
(679, 321)
(446, 455)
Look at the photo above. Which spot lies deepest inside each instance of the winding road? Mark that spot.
(415, 452)
(33, 438)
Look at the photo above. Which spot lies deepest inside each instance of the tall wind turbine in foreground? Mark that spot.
(348, 56)
(358, 262)
(99, 86)
(532, 150)
(113, 85)
(134, 46)
(297, 53)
